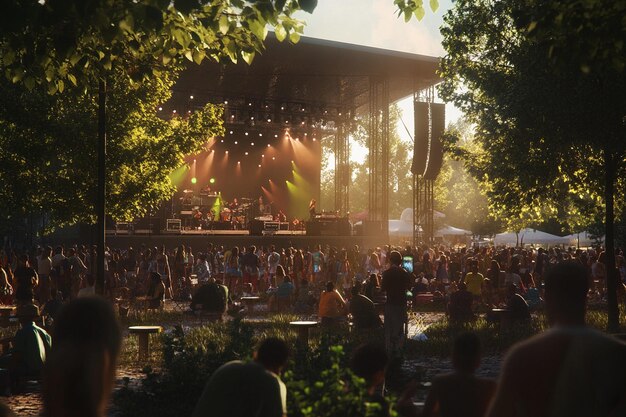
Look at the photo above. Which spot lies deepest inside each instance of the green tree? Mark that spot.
(47, 152)
(466, 204)
(551, 130)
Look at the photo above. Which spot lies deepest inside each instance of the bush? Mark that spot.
(318, 380)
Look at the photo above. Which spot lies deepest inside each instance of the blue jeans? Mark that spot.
(395, 318)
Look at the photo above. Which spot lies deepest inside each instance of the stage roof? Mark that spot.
(313, 72)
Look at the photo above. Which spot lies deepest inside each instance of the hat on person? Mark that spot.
(27, 310)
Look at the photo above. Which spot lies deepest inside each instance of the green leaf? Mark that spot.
(281, 33)
(60, 86)
(419, 13)
(294, 37)
(248, 57)
(72, 79)
(198, 57)
(224, 24)
(434, 5)
(308, 5)
(29, 83)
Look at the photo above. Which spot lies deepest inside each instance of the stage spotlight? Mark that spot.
(231, 132)
(173, 111)
(190, 97)
(238, 162)
(226, 152)
(212, 181)
(194, 180)
(236, 143)
(273, 158)
(225, 101)
(263, 156)
(246, 133)
(259, 165)
(252, 144)
(268, 145)
(260, 134)
(222, 140)
(246, 153)
(275, 136)
(160, 108)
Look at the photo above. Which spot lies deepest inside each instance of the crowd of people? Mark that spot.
(333, 283)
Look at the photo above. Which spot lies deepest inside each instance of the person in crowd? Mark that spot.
(369, 361)
(396, 283)
(163, 268)
(239, 389)
(233, 269)
(461, 393)
(44, 268)
(474, 281)
(460, 308)
(79, 374)
(582, 372)
(6, 289)
(305, 301)
(273, 261)
(31, 346)
(211, 297)
(316, 263)
(250, 264)
(26, 281)
(516, 305)
(282, 298)
(156, 291)
(332, 306)
(202, 269)
(363, 310)
(52, 307)
(372, 287)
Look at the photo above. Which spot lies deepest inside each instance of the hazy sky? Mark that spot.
(375, 23)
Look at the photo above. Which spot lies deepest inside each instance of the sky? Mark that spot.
(375, 23)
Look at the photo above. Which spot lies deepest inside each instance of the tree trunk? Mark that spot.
(101, 191)
(609, 239)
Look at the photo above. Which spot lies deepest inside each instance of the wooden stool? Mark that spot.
(143, 333)
(303, 330)
(250, 302)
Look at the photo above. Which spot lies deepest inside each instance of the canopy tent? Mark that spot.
(530, 236)
(582, 239)
(452, 231)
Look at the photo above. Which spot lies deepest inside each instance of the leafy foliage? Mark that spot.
(318, 380)
(542, 128)
(48, 149)
(61, 43)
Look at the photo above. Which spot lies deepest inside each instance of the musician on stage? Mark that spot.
(312, 208)
(234, 205)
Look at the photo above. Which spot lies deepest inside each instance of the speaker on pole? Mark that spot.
(435, 155)
(422, 129)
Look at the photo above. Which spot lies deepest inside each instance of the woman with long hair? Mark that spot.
(233, 270)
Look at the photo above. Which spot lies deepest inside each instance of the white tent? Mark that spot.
(400, 228)
(582, 239)
(452, 231)
(530, 236)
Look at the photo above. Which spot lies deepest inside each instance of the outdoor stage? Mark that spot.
(240, 238)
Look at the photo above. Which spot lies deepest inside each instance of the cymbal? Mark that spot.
(187, 191)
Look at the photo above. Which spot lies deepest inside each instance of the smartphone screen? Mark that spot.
(407, 263)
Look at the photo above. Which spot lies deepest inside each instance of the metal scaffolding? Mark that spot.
(378, 144)
(342, 169)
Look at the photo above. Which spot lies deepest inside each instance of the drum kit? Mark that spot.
(235, 213)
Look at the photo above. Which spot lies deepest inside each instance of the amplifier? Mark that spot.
(271, 226)
(173, 225)
(186, 212)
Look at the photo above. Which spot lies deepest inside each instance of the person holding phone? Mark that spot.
(396, 282)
